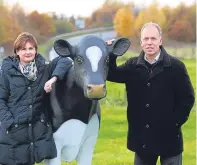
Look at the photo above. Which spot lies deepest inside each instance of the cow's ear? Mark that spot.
(63, 48)
(120, 46)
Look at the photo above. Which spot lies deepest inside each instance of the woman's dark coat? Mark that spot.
(159, 102)
(25, 130)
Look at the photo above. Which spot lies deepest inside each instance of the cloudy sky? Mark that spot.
(80, 7)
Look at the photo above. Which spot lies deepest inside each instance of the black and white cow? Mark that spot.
(74, 101)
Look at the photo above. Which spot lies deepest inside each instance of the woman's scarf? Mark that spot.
(29, 70)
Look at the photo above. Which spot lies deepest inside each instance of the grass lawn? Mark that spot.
(111, 144)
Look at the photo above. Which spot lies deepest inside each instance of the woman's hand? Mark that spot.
(49, 83)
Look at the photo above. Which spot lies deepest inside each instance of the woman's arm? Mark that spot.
(58, 69)
(6, 118)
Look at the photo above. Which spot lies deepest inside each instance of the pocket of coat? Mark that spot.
(18, 133)
(40, 129)
(6, 156)
(4, 137)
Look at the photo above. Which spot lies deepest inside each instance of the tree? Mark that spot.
(104, 15)
(72, 21)
(181, 24)
(18, 14)
(88, 22)
(191, 18)
(42, 23)
(124, 22)
(9, 28)
(63, 27)
(150, 14)
(181, 31)
(168, 12)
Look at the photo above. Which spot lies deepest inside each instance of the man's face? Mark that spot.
(150, 40)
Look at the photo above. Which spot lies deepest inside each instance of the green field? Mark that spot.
(111, 144)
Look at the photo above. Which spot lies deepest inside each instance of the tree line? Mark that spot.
(178, 23)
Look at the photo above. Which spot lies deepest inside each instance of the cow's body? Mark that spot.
(75, 101)
(76, 128)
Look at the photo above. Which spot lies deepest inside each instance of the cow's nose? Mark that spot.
(96, 91)
(91, 87)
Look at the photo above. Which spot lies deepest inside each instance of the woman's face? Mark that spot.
(27, 53)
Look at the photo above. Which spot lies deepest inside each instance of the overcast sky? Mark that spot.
(80, 7)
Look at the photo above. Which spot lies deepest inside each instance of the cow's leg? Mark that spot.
(71, 134)
(56, 160)
(85, 154)
(86, 151)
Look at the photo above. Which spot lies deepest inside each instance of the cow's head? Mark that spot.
(91, 60)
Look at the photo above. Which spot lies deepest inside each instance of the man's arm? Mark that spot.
(184, 96)
(119, 74)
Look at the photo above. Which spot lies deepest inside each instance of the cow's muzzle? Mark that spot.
(96, 91)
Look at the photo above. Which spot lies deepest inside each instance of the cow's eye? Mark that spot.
(107, 59)
(79, 59)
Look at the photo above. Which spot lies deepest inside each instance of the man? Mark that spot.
(160, 97)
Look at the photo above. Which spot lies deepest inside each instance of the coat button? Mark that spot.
(144, 146)
(42, 120)
(29, 87)
(148, 84)
(31, 143)
(16, 125)
(29, 124)
(30, 106)
(147, 126)
(147, 105)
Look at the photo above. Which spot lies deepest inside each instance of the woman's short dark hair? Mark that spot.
(22, 39)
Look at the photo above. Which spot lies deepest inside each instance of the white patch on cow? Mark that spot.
(85, 154)
(75, 140)
(94, 55)
(69, 136)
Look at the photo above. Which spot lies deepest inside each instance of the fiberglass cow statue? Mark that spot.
(75, 100)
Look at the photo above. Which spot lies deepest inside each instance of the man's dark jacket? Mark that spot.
(25, 130)
(159, 102)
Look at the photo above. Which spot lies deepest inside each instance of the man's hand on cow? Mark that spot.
(49, 83)
(109, 42)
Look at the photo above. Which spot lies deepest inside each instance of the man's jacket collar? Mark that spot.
(164, 58)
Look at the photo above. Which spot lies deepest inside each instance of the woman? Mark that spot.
(25, 130)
